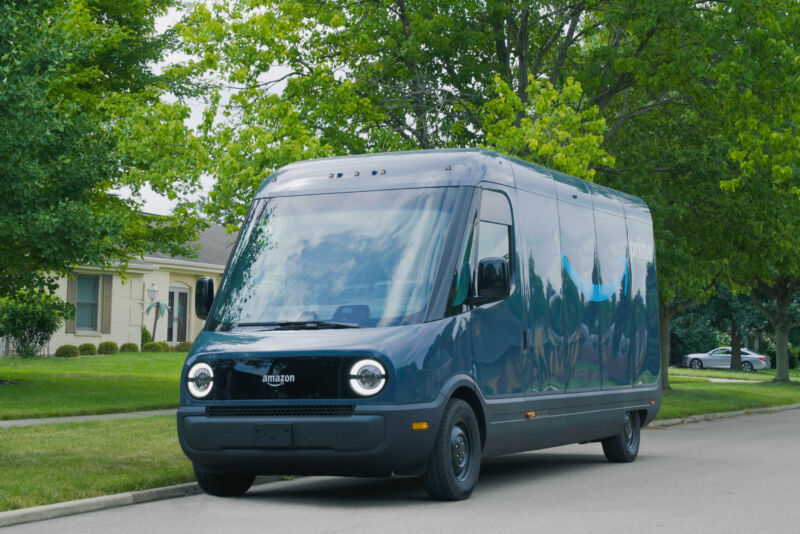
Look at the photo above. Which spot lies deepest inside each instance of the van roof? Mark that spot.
(440, 168)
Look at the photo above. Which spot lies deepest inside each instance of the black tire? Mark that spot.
(455, 463)
(624, 447)
(222, 484)
(747, 367)
(696, 364)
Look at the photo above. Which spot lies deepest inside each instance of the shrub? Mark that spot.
(147, 337)
(152, 346)
(87, 349)
(107, 347)
(129, 347)
(67, 351)
(183, 346)
(164, 345)
(30, 318)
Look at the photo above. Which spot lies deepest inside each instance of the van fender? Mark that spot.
(463, 386)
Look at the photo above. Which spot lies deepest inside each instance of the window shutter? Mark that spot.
(72, 298)
(106, 321)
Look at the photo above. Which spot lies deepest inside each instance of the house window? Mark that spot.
(88, 303)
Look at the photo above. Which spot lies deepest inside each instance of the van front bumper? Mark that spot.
(376, 440)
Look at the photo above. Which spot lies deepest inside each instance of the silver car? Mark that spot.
(720, 358)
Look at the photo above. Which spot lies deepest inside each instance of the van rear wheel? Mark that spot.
(223, 484)
(455, 463)
(624, 447)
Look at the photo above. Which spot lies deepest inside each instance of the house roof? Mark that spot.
(215, 247)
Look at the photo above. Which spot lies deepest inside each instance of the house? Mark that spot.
(110, 308)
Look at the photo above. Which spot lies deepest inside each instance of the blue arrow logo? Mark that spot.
(598, 292)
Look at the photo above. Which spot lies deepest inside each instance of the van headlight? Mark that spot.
(200, 380)
(367, 377)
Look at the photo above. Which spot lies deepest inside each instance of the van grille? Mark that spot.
(321, 410)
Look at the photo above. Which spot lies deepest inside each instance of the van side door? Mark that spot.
(497, 327)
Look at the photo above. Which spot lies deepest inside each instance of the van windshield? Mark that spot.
(359, 259)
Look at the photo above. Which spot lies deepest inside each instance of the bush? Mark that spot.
(129, 347)
(30, 318)
(147, 337)
(152, 347)
(183, 346)
(107, 347)
(67, 351)
(87, 349)
(164, 345)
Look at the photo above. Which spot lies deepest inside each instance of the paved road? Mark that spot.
(726, 476)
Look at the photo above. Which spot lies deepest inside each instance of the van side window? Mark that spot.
(494, 233)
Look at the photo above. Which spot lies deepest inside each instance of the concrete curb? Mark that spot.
(62, 509)
(665, 423)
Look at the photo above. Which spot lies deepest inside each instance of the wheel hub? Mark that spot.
(628, 430)
(459, 450)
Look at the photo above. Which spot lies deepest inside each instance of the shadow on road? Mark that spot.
(346, 492)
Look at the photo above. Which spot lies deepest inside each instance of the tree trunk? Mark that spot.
(736, 349)
(781, 350)
(664, 319)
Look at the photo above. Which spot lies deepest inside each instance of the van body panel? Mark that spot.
(561, 359)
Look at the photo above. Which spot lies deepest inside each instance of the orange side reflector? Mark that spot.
(652, 401)
(419, 425)
(530, 415)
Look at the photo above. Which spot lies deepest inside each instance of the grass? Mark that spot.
(49, 387)
(763, 376)
(54, 463)
(692, 396)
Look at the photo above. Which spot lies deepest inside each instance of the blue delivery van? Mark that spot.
(410, 313)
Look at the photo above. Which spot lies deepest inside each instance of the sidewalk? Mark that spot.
(83, 418)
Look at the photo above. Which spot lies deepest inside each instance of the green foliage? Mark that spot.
(152, 346)
(107, 347)
(183, 346)
(165, 346)
(67, 351)
(83, 115)
(129, 347)
(87, 349)
(691, 332)
(30, 318)
(146, 336)
(549, 128)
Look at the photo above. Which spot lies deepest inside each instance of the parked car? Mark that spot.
(720, 358)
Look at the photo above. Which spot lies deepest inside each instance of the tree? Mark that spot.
(737, 315)
(83, 115)
(686, 92)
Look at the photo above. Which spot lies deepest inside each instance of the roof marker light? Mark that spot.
(530, 415)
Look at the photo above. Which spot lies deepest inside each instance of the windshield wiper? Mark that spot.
(299, 325)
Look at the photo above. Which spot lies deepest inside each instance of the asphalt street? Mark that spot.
(726, 476)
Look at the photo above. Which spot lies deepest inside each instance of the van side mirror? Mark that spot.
(203, 297)
(493, 281)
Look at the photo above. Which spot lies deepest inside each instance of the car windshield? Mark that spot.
(359, 259)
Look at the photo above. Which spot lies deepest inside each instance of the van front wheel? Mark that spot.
(223, 484)
(454, 465)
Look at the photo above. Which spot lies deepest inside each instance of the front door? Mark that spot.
(177, 319)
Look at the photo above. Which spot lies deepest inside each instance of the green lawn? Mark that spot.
(89, 384)
(54, 463)
(764, 376)
(692, 396)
